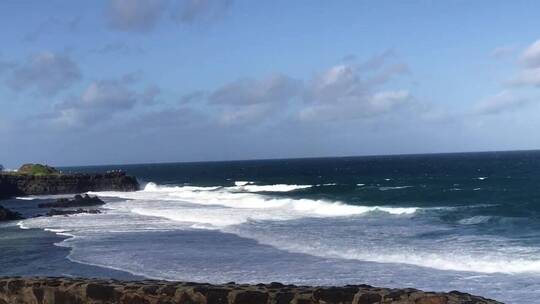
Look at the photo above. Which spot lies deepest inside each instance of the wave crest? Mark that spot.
(224, 206)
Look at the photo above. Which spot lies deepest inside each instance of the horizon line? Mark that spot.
(302, 158)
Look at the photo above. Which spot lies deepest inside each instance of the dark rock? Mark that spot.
(368, 298)
(335, 294)
(151, 289)
(15, 285)
(65, 297)
(215, 295)
(276, 285)
(283, 297)
(54, 212)
(169, 291)
(38, 293)
(77, 201)
(135, 299)
(247, 297)
(100, 292)
(433, 300)
(8, 215)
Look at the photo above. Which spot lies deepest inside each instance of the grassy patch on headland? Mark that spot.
(36, 170)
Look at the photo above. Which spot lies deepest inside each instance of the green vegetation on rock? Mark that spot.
(37, 169)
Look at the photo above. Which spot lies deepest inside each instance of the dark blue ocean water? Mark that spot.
(440, 222)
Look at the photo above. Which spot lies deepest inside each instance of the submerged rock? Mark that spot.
(54, 212)
(8, 215)
(94, 291)
(77, 201)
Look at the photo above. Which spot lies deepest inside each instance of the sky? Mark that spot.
(145, 81)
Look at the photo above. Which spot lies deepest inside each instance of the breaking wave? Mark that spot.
(224, 206)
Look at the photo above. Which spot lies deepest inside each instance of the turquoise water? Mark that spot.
(439, 222)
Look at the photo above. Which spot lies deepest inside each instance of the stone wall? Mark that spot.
(92, 291)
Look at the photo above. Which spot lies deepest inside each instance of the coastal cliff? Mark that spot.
(25, 184)
(93, 291)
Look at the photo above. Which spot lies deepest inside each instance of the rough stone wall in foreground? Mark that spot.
(93, 291)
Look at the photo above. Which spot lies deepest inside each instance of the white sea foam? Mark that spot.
(51, 196)
(468, 253)
(394, 188)
(270, 188)
(475, 220)
(22, 226)
(487, 263)
(481, 178)
(241, 183)
(56, 230)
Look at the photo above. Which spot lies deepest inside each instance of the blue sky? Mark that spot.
(101, 82)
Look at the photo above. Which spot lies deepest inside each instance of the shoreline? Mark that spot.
(60, 290)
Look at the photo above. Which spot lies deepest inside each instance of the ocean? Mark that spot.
(467, 222)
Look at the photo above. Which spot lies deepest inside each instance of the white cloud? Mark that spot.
(134, 15)
(143, 15)
(353, 91)
(46, 73)
(531, 56)
(273, 89)
(527, 77)
(503, 51)
(250, 114)
(189, 11)
(345, 91)
(252, 100)
(502, 102)
(98, 102)
(51, 25)
(529, 74)
(368, 106)
(193, 96)
(118, 47)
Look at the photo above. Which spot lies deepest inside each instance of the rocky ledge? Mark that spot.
(93, 291)
(8, 215)
(22, 183)
(55, 212)
(77, 201)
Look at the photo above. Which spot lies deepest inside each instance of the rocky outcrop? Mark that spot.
(92, 291)
(77, 201)
(8, 215)
(15, 184)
